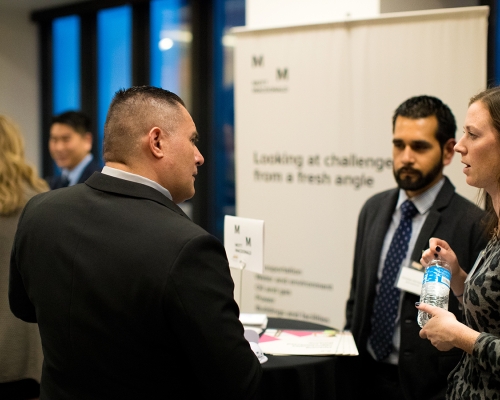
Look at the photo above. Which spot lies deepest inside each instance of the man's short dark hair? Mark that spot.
(79, 121)
(427, 106)
(132, 113)
(143, 92)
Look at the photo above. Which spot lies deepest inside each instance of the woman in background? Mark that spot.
(20, 348)
(477, 375)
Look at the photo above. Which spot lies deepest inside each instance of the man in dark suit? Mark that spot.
(70, 144)
(133, 300)
(407, 367)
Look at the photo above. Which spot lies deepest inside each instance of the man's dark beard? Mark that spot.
(422, 180)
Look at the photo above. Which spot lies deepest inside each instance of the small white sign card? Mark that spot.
(244, 243)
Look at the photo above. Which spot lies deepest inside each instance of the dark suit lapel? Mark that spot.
(422, 243)
(89, 170)
(110, 184)
(380, 228)
(373, 240)
(431, 222)
(55, 182)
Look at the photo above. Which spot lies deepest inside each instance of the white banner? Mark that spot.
(266, 13)
(314, 108)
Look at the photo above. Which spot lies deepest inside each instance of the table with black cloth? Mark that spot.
(299, 377)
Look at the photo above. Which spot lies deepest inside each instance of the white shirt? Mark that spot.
(74, 175)
(423, 202)
(128, 176)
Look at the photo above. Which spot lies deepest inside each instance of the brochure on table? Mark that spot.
(307, 343)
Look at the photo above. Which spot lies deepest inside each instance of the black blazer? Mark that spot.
(94, 165)
(422, 368)
(133, 300)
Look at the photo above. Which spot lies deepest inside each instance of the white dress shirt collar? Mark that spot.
(74, 175)
(423, 201)
(128, 176)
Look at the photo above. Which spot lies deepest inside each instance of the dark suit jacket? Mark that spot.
(133, 300)
(422, 368)
(94, 165)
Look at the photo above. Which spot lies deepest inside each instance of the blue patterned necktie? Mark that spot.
(385, 309)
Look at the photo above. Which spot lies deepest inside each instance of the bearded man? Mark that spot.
(393, 228)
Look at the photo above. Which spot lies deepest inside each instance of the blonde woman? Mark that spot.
(20, 347)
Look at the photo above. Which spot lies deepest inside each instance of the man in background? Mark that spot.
(133, 300)
(70, 144)
(393, 228)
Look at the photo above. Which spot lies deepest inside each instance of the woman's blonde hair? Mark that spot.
(16, 175)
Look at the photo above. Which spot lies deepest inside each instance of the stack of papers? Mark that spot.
(308, 343)
(256, 322)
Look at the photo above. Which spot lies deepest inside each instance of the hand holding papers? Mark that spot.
(308, 343)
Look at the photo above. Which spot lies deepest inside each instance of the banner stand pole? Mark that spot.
(243, 265)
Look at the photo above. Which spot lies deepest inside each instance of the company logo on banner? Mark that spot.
(313, 107)
(276, 80)
(264, 83)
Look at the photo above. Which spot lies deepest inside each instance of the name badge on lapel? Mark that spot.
(410, 278)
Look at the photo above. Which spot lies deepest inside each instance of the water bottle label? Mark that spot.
(435, 273)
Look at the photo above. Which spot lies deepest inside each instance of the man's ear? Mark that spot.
(155, 142)
(448, 151)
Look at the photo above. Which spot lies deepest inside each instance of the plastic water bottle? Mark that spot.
(435, 288)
